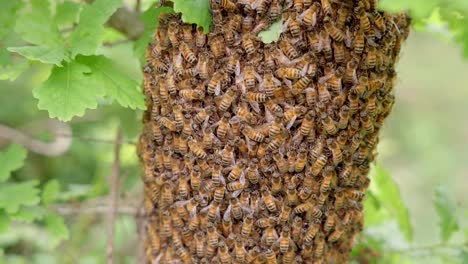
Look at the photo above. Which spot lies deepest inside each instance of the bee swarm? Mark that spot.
(259, 153)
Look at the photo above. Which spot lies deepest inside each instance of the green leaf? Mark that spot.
(4, 221)
(15, 195)
(374, 214)
(13, 71)
(464, 256)
(150, 19)
(116, 85)
(388, 194)
(68, 92)
(272, 33)
(44, 54)
(11, 159)
(56, 226)
(87, 36)
(8, 14)
(446, 209)
(67, 12)
(195, 11)
(50, 191)
(29, 214)
(37, 27)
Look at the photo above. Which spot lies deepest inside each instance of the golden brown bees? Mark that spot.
(187, 53)
(288, 49)
(334, 32)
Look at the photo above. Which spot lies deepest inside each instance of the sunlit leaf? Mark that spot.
(50, 191)
(388, 194)
(272, 33)
(29, 214)
(67, 12)
(150, 19)
(195, 12)
(15, 195)
(4, 221)
(56, 226)
(447, 211)
(44, 54)
(11, 159)
(37, 27)
(8, 14)
(87, 36)
(115, 84)
(68, 92)
(13, 71)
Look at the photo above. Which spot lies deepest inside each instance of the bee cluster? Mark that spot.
(259, 153)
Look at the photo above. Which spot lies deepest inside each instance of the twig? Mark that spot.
(99, 209)
(56, 148)
(430, 248)
(98, 140)
(113, 196)
(138, 6)
(116, 43)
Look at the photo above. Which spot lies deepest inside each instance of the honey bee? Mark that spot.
(214, 86)
(275, 10)
(353, 103)
(284, 240)
(223, 126)
(342, 16)
(199, 244)
(269, 200)
(212, 236)
(366, 122)
(329, 125)
(195, 178)
(235, 23)
(311, 232)
(379, 21)
(196, 149)
(292, 114)
(329, 179)
(228, 5)
(293, 25)
(247, 24)
(288, 49)
(291, 195)
(339, 52)
(371, 59)
(252, 173)
(304, 194)
(301, 161)
(217, 46)
(248, 44)
(187, 53)
(172, 34)
(226, 226)
(233, 64)
(300, 85)
(334, 32)
(309, 16)
(240, 252)
(318, 165)
(276, 184)
(319, 245)
(269, 236)
(326, 7)
(288, 73)
(336, 235)
(200, 38)
(371, 106)
(227, 100)
(252, 134)
(364, 21)
(191, 94)
(236, 172)
(247, 226)
(249, 78)
(304, 207)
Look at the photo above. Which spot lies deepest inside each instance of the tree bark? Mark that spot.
(259, 153)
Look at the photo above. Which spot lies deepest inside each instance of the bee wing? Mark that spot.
(227, 214)
(348, 39)
(157, 260)
(255, 106)
(218, 89)
(288, 83)
(238, 68)
(291, 122)
(269, 116)
(205, 209)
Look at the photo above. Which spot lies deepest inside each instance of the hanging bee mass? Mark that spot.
(259, 153)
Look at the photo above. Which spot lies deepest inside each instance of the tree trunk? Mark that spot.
(259, 153)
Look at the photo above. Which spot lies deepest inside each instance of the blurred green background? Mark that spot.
(424, 146)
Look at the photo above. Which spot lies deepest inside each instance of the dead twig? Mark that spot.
(113, 197)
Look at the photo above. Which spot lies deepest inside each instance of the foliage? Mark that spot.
(64, 49)
(272, 33)
(195, 11)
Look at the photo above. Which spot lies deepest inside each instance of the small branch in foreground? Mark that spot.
(138, 6)
(99, 209)
(113, 197)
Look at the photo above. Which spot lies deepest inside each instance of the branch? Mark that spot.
(126, 21)
(56, 148)
(66, 210)
(113, 196)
